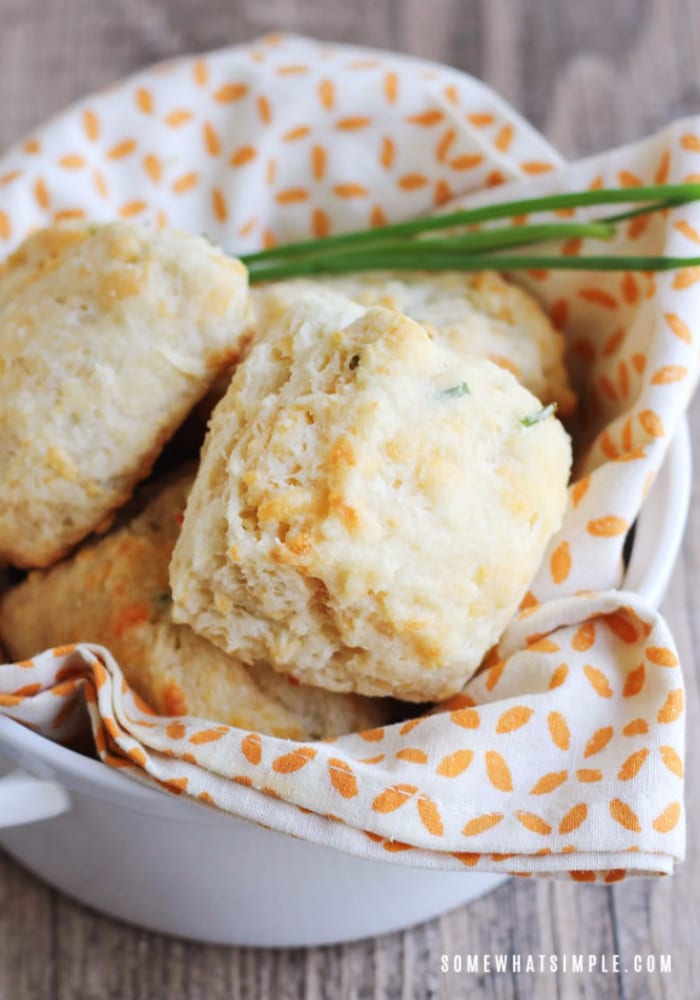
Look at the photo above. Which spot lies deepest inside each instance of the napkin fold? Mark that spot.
(564, 755)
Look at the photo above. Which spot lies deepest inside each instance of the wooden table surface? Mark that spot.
(590, 75)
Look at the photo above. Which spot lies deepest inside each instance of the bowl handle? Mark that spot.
(26, 799)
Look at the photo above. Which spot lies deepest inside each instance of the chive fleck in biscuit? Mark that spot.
(108, 337)
(370, 506)
(115, 592)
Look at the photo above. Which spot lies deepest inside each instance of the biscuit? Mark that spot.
(115, 592)
(109, 335)
(477, 313)
(370, 507)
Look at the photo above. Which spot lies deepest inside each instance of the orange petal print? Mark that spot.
(212, 142)
(494, 675)
(243, 155)
(560, 562)
(430, 816)
(662, 171)
(672, 761)
(200, 72)
(623, 815)
(318, 162)
(122, 149)
(209, 735)
(579, 490)
(300, 132)
(589, 774)
(514, 718)
(91, 124)
(498, 771)
(219, 204)
(178, 117)
(620, 625)
(414, 755)
(614, 875)
(176, 730)
(533, 823)
(455, 763)
(631, 767)
(582, 875)
(320, 223)
(652, 423)
(598, 741)
(41, 193)
(574, 818)
(185, 183)
(558, 676)
(584, 637)
(504, 138)
(637, 727)
(628, 179)
(393, 798)
(388, 152)
(607, 527)
(426, 118)
(686, 277)
(684, 227)
(467, 718)
(391, 87)
(466, 162)
(293, 761)
(666, 820)
(372, 735)
(662, 656)
(548, 782)
(444, 144)
(153, 167)
(264, 110)
(679, 327)
(598, 681)
(291, 196)
(558, 730)
(326, 94)
(634, 682)
(630, 288)
(251, 748)
(480, 824)
(411, 182)
(342, 778)
(230, 92)
(350, 190)
(534, 167)
(672, 708)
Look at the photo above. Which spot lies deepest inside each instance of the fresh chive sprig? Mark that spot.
(403, 246)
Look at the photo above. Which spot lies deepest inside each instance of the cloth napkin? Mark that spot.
(564, 755)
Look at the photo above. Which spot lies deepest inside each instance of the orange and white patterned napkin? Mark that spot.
(565, 754)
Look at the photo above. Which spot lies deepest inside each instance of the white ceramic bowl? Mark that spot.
(132, 852)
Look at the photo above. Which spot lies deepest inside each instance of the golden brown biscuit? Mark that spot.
(370, 507)
(115, 592)
(108, 336)
(478, 313)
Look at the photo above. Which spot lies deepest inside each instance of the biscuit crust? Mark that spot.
(108, 336)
